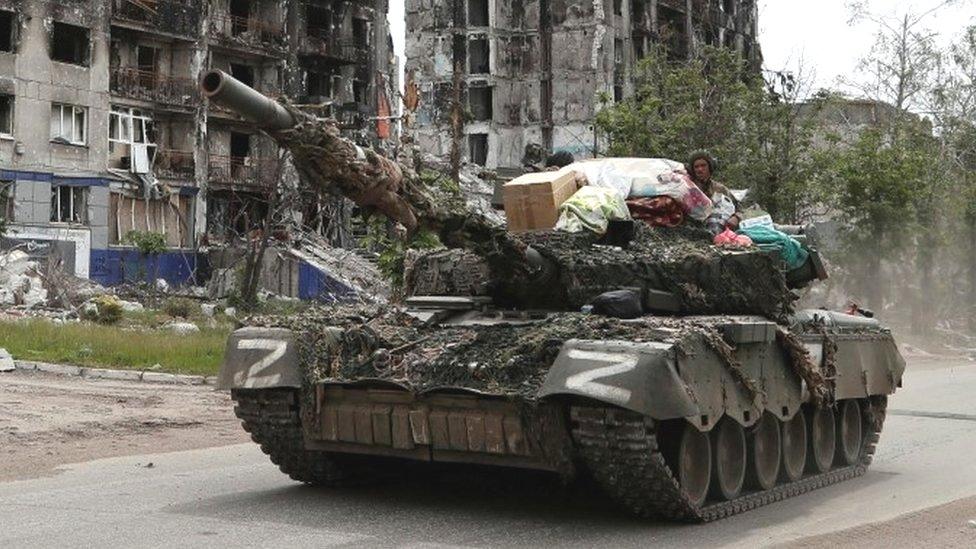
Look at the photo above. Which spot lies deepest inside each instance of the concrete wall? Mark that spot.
(587, 50)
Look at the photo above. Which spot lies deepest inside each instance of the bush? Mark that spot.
(104, 309)
(181, 307)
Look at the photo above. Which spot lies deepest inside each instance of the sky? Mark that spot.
(815, 33)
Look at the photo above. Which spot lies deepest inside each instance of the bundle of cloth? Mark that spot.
(656, 191)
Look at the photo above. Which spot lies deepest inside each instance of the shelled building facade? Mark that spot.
(103, 130)
(534, 71)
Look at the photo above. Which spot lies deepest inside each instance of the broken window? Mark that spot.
(618, 7)
(479, 103)
(618, 51)
(478, 56)
(147, 58)
(7, 31)
(672, 31)
(637, 10)
(360, 33)
(359, 91)
(728, 6)
(478, 148)
(232, 214)
(318, 20)
(6, 115)
(477, 13)
(638, 42)
(240, 155)
(240, 14)
(618, 94)
(318, 84)
(131, 139)
(243, 73)
(70, 44)
(69, 204)
(69, 124)
(7, 200)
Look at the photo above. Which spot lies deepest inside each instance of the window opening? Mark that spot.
(69, 204)
(479, 103)
(6, 115)
(147, 58)
(7, 31)
(69, 44)
(318, 20)
(360, 33)
(69, 124)
(243, 73)
(477, 13)
(240, 154)
(240, 14)
(478, 56)
(318, 84)
(7, 200)
(478, 148)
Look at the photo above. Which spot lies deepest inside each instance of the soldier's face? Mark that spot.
(702, 171)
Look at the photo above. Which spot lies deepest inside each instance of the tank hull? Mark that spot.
(609, 407)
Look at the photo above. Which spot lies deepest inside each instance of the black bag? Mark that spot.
(624, 304)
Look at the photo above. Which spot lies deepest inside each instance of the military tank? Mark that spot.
(717, 398)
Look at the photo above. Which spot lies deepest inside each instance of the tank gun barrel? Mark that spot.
(252, 105)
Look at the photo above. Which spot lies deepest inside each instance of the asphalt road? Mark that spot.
(232, 496)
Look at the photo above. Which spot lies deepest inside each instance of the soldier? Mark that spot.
(701, 165)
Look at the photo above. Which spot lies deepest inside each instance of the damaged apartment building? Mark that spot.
(532, 71)
(103, 130)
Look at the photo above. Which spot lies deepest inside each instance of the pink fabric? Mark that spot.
(729, 239)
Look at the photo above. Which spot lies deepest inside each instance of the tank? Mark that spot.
(718, 397)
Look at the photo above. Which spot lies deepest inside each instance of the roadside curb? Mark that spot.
(115, 375)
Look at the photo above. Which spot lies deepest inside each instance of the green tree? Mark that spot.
(716, 102)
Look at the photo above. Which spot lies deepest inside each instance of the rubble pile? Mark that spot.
(345, 265)
(20, 281)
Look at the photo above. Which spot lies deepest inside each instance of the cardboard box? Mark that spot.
(532, 200)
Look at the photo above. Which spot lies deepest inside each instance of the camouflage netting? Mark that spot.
(705, 279)
(348, 343)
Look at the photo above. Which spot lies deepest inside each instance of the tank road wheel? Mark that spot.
(823, 439)
(765, 453)
(694, 464)
(849, 432)
(730, 459)
(794, 441)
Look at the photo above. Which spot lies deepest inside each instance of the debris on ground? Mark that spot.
(6, 361)
(182, 328)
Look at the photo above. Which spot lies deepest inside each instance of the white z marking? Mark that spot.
(585, 383)
(277, 348)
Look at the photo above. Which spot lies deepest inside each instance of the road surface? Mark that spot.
(921, 490)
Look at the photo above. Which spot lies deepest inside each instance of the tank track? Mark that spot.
(272, 417)
(620, 449)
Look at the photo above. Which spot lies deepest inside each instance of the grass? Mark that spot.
(129, 345)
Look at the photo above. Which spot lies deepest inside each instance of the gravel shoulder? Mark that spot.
(47, 421)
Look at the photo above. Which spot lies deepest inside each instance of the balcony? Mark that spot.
(149, 86)
(321, 42)
(249, 32)
(243, 172)
(173, 17)
(174, 164)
